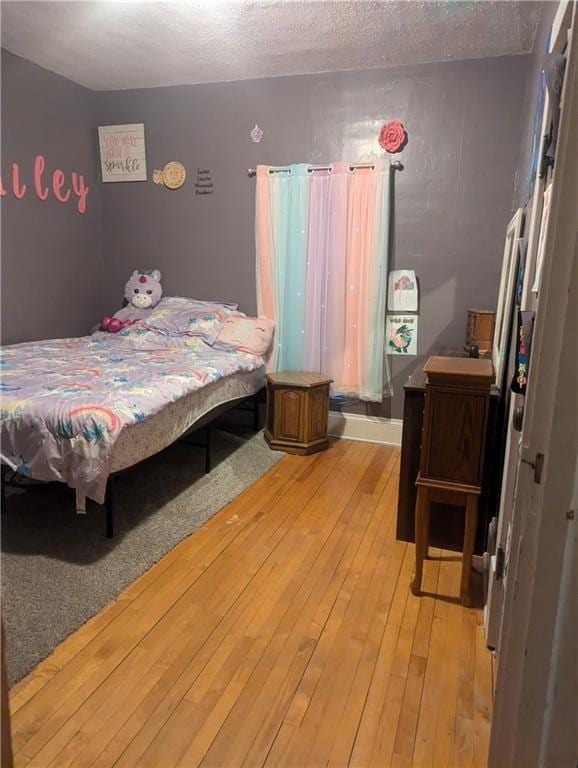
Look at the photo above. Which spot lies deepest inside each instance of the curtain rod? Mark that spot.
(396, 165)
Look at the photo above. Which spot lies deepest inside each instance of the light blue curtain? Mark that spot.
(378, 376)
(291, 246)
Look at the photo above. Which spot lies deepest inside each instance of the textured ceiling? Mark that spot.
(115, 45)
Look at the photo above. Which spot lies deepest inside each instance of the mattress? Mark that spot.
(75, 410)
(144, 439)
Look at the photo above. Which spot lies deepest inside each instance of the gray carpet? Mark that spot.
(58, 569)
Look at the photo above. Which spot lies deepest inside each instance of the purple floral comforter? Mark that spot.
(64, 402)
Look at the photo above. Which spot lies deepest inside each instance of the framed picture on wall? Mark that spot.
(401, 334)
(122, 152)
(542, 237)
(505, 307)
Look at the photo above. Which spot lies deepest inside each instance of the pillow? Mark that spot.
(188, 320)
(247, 334)
(181, 301)
(138, 337)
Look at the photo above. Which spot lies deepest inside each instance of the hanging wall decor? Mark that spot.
(256, 134)
(503, 324)
(554, 67)
(523, 252)
(536, 137)
(401, 334)
(122, 152)
(524, 330)
(172, 176)
(402, 291)
(204, 182)
(393, 136)
(542, 238)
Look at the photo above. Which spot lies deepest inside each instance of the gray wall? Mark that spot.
(453, 199)
(51, 255)
(61, 271)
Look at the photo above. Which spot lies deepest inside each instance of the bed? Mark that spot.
(80, 410)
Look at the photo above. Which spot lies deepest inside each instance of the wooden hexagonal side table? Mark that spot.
(297, 411)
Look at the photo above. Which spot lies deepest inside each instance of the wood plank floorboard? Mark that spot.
(281, 633)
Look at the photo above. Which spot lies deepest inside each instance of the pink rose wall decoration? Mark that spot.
(393, 136)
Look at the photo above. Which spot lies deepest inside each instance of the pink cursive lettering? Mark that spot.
(39, 165)
(17, 190)
(61, 191)
(57, 184)
(80, 190)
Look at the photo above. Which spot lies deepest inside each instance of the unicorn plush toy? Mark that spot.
(143, 291)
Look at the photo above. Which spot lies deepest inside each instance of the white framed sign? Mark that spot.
(542, 238)
(502, 327)
(122, 152)
(402, 292)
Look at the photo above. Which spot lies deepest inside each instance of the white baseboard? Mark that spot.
(370, 429)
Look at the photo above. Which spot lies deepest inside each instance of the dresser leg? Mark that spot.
(469, 540)
(421, 534)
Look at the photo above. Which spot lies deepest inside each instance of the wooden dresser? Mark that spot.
(452, 453)
(447, 523)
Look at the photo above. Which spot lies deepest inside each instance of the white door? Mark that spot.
(498, 581)
(534, 693)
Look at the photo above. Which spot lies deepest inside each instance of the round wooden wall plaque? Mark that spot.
(174, 175)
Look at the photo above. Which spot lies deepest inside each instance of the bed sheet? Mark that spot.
(150, 436)
(66, 402)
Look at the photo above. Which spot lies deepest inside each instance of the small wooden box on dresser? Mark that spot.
(297, 411)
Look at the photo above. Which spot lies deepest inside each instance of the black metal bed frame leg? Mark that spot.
(208, 450)
(109, 509)
(256, 411)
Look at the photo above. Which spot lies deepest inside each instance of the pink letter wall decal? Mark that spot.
(57, 184)
(39, 165)
(18, 191)
(61, 191)
(80, 190)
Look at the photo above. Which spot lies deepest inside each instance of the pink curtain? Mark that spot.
(326, 271)
(265, 249)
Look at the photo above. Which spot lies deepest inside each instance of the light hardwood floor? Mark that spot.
(282, 632)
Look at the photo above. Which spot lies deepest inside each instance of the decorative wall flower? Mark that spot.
(256, 134)
(393, 136)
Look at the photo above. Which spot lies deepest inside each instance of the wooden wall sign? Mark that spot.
(172, 176)
(122, 152)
